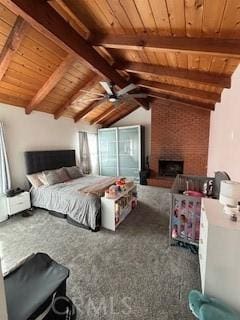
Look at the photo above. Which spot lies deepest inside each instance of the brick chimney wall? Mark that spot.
(180, 133)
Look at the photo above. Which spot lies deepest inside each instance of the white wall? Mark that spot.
(139, 117)
(224, 142)
(37, 131)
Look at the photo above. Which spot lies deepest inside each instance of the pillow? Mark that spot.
(74, 172)
(63, 175)
(42, 178)
(51, 177)
(34, 180)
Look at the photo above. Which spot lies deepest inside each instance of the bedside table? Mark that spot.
(18, 203)
(3, 208)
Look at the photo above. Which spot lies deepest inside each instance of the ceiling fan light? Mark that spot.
(112, 99)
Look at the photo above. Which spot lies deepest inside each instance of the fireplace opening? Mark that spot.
(170, 168)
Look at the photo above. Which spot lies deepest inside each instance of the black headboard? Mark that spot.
(37, 161)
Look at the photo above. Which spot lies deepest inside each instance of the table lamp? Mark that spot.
(229, 195)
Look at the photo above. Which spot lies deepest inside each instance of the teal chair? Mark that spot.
(204, 307)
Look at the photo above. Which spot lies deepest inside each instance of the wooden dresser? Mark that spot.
(219, 253)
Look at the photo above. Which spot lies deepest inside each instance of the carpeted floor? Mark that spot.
(130, 274)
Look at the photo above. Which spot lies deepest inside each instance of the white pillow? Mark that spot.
(42, 178)
(34, 180)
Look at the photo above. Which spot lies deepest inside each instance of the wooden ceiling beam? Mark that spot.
(181, 101)
(77, 95)
(70, 17)
(76, 23)
(82, 113)
(41, 16)
(104, 114)
(108, 115)
(112, 115)
(12, 44)
(178, 90)
(218, 47)
(119, 116)
(206, 78)
(52, 81)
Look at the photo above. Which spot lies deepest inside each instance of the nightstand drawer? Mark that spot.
(24, 196)
(18, 203)
(19, 207)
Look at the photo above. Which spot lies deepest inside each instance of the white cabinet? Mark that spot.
(3, 208)
(219, 253)
(114, 211)
(17, 203)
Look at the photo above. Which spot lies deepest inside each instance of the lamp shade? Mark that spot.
(229, 193)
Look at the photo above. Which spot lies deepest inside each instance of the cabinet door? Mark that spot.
(108, 152)
(129, 151)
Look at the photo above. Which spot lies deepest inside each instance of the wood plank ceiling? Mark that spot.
(177, 51)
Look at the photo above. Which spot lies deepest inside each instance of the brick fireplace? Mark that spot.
(178, 134)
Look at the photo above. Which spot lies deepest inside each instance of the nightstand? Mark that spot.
(18, 203)
(3, 208)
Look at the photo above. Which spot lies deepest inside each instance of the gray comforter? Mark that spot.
(67, 199)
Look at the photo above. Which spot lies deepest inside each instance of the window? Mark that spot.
(88, 149)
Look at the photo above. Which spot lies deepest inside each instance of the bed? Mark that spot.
(65, 199)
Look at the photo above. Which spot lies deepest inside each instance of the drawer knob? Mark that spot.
(202, 225)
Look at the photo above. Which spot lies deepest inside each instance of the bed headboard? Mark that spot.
(37, 161)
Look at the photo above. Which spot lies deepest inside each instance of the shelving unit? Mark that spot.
(114, 211)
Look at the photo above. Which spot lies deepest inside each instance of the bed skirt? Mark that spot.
(75, 223)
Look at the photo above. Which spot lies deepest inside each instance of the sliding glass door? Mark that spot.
(129, 151)
(120, 151)
(108, 152)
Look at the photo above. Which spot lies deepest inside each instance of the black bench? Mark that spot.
(32, 286)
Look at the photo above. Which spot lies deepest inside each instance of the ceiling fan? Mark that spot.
(112, 95)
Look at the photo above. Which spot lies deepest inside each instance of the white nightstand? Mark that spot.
(3, 208)
(18, 203)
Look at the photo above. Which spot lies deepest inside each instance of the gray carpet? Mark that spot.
(130, 274)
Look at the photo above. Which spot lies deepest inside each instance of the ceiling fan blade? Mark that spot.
(137, 95)
(133, 96)
(106, 86)
(91, 99)
(92, 93)
(125, 90)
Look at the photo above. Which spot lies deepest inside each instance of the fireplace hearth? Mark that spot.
(170, 168)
